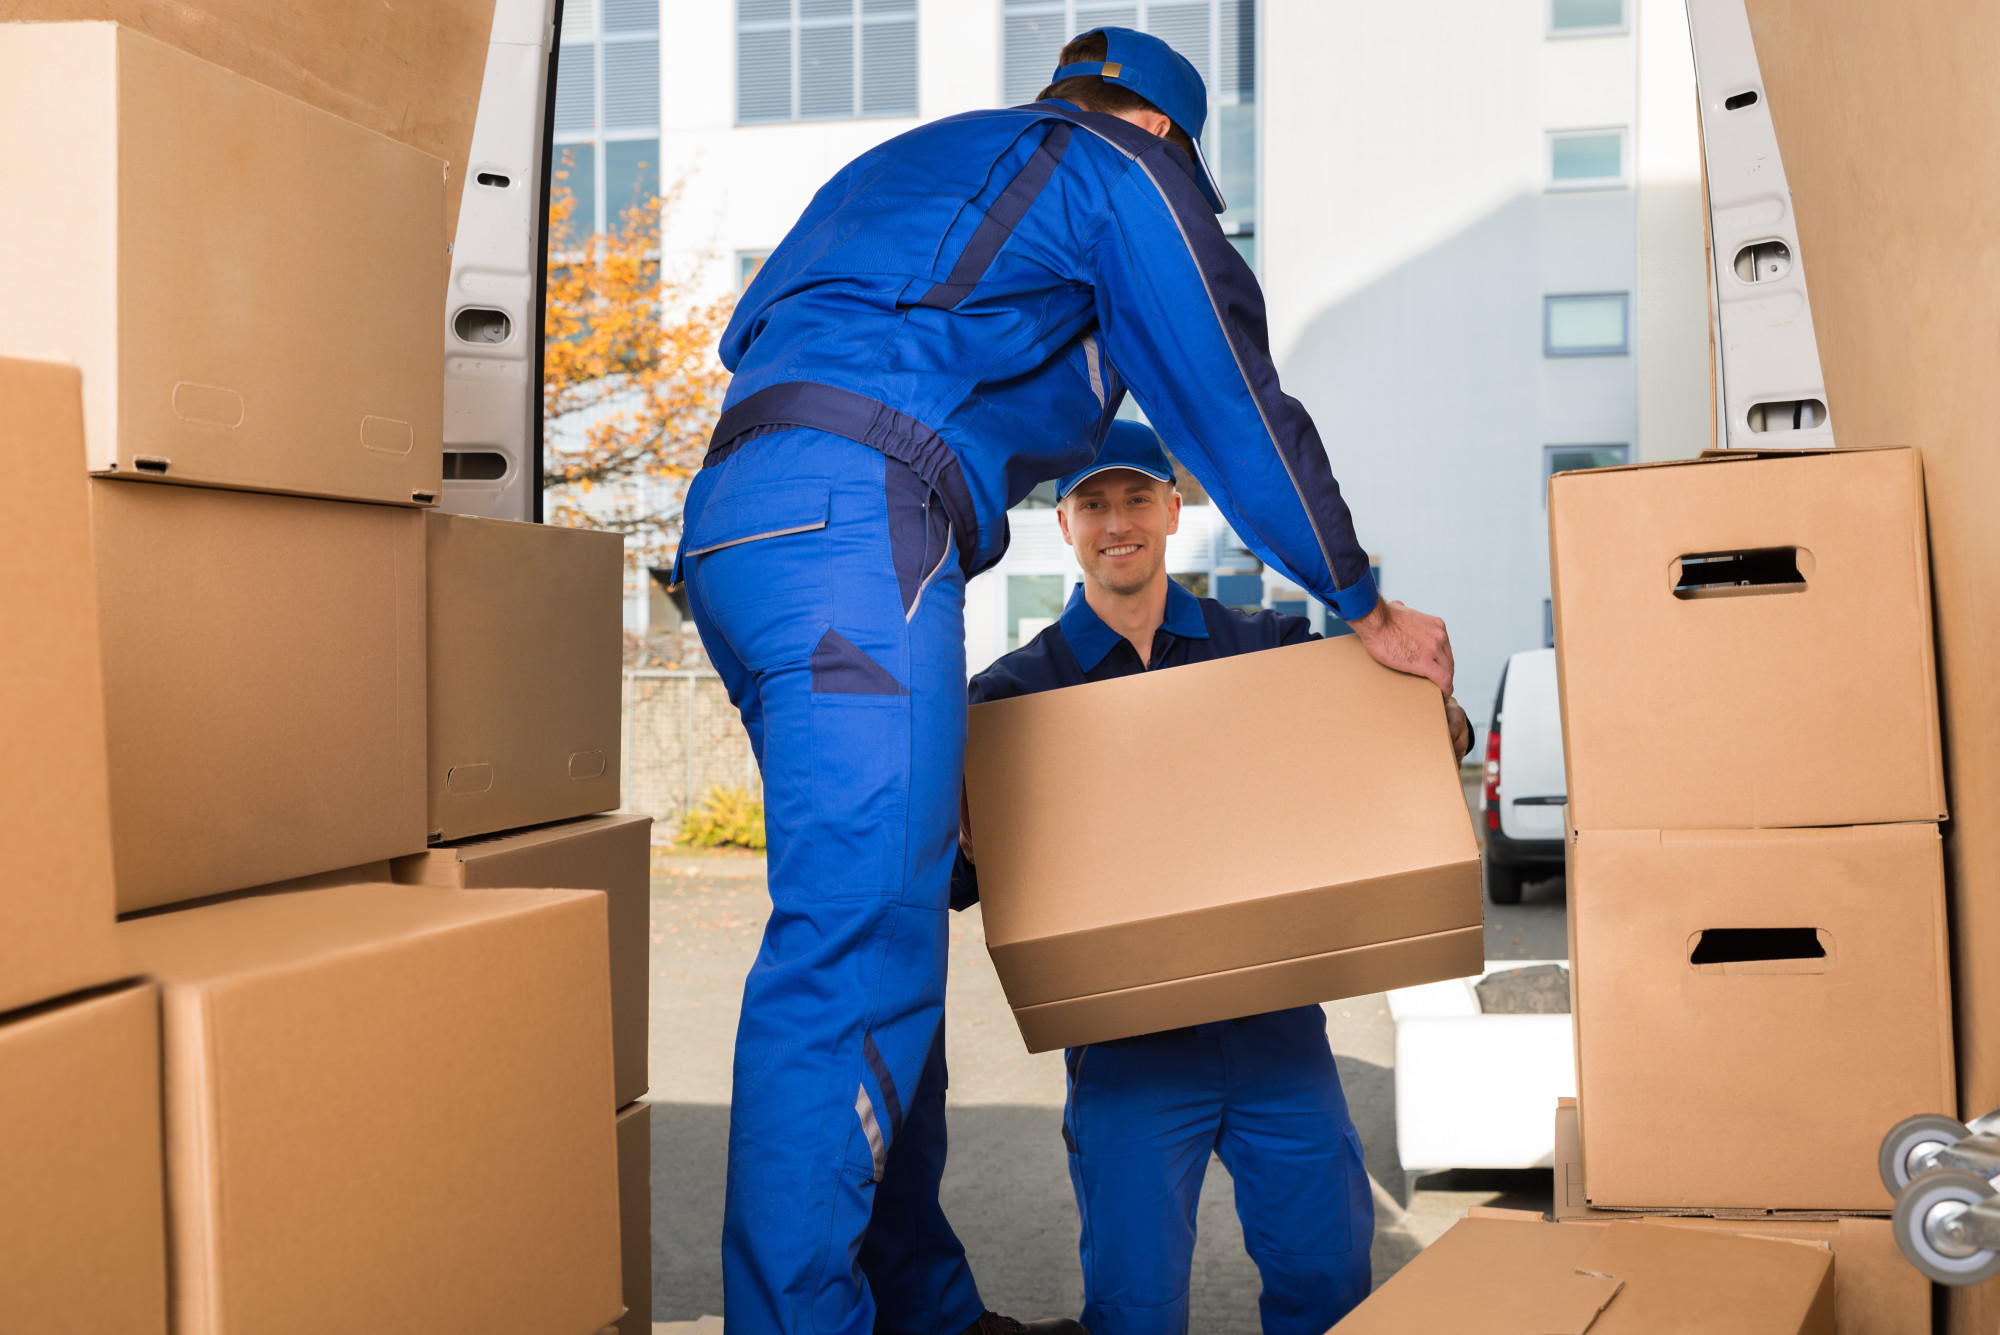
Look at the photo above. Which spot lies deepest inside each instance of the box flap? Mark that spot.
(1495, 1276)
(1679, 1279)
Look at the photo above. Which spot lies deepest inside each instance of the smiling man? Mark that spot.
(1262, 1092)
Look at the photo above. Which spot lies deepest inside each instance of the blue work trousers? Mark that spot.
(1263, 1094)
(825, 584)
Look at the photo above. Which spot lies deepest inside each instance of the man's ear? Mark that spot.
(1174, 510)
(1062, 522)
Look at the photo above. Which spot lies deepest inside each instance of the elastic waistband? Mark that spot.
(856, 417)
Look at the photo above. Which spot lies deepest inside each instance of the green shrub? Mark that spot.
(725, 818)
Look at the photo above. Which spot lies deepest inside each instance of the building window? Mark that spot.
(1033, 604)
(1586, 160)
(1219, 39)
(1586, 324)
(825, 60)
(1586, 18)
(1566, 458)
(607, 126)
(748, 262)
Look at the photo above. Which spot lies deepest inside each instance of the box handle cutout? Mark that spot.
(480, 324)
(1740, 101)
(474, 465)
(1764, 262)
(494, 179)
(151, 463)
(1751, 571)
(386, 435)
(586, 765)
(1741, 950)
(464, 780)
(1787, 415)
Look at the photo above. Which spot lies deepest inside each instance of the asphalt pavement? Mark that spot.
(1006, 1188)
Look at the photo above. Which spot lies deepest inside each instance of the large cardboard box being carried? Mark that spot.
(1754, 1008)
(1248, 834)
(264, 685)
(1505, 1272)
(1746, 641)
(609, 853)
(55, 820)
(1875, 1290)
(251, 285)
(387, 1109)
(526, 646)
(83, 1248)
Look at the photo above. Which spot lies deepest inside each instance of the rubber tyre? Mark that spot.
(1503, 883)
(1925, 1192)
(1892, 1161)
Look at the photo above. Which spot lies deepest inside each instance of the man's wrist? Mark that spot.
(1358, 601)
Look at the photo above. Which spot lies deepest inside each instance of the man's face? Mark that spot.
(1118, 521)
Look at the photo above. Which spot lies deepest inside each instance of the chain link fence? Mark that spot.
(681, 737)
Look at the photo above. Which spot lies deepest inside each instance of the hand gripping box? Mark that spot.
(1219, 840)
(1753, 1009)
(251, 285)
(55, 816)
(388, 1109)
(526, 650)
(1746, 642)
(609, 853)
(1505, 1272)
(83, 1248)
(264, 685)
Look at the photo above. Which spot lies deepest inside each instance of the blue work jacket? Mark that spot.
(974, 296)
(1079, 647)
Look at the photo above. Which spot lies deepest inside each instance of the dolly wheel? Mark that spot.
(1907, 1149)
(1933, 1233)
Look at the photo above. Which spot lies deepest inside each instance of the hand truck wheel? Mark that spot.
(1907, 1149)
(1936, 1227)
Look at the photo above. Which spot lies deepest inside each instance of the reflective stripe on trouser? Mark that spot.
(827, 595)
(1265, 1096)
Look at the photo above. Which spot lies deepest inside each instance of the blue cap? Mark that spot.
(1130, 445)
(1164, 77)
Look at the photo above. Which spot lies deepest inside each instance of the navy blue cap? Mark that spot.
(1128, 444)
(1164, 77)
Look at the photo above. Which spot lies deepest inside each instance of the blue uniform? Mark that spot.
(1262, 1092)
(953, 320)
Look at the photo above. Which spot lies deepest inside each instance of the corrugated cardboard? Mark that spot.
(526, 645)
(635, 1215)
(1804, 706)
(1379, 889)
(1766, 1084)
(83, 1247)
(1501, 1276)
(55, 821)
(385, 1111)
(1875, 1290)
(608, 853)
(252, 286)
(411, 72)
(264, 686)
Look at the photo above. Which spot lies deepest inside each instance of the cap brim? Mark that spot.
(1206, 180)
(1110, 468)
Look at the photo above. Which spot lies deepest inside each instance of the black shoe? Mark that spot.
(992, 1323)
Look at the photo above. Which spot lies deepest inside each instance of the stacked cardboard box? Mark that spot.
(1758, 940)
(222, 670)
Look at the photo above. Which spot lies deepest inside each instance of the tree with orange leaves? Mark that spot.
(631, 383)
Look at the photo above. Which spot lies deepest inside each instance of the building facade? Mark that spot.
(1477, 223)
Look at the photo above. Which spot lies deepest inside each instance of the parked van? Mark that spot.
(1520, 808)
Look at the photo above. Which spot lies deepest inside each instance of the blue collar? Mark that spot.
(1090, 639)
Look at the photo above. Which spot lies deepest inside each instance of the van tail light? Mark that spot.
(1492, 797)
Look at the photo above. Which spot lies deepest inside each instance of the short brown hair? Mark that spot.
(1093, 93)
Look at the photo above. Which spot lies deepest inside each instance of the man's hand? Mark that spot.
(1461, 727)
(1408, 641)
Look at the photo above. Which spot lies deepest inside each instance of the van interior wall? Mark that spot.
(411, 72)
(1887, 116)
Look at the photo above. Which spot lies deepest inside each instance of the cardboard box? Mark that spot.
(609, 853)
(1804, 697)
(1754, 1008)
(83, 1246)
(385, 1110)
(251, 285)
(1520, 1276)
(635, 1215)
(1875, 1290)
(264, 686)
(55, 816)
(1164, 927)
(526, 650)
